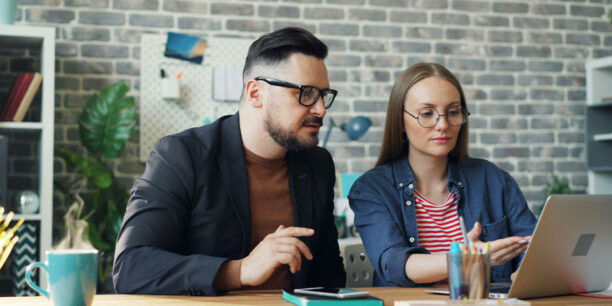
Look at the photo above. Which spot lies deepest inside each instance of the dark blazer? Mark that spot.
(190, 212)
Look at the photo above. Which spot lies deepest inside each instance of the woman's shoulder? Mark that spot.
(473, 162)
(373, 179)
(480, 167)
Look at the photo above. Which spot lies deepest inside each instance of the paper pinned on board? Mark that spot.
(185, 47)
(227, 83)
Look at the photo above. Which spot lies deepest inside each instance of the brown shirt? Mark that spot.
(271, 206)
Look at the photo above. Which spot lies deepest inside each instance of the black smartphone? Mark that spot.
(338, 293)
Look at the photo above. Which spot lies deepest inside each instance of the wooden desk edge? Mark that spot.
(273, 297)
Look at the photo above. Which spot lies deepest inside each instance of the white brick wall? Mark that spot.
(521, 64)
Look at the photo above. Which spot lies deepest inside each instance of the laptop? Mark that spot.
(569, 251)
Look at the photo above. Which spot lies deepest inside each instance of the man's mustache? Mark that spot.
(313, 119)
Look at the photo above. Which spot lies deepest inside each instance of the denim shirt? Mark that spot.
(383, 202)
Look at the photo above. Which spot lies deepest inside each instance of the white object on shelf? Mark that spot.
(602, 137)
(27, 202)
(341, 207)
(43, 39)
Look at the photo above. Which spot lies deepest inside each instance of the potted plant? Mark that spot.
(554, 186)
(105, 125)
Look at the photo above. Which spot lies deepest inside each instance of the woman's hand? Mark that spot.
(502, 250)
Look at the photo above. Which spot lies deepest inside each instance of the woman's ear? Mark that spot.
(253, 94)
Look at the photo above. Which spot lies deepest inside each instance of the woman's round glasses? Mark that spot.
(429, 117)
(309, 95)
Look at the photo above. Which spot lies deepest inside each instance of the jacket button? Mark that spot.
(411, 239)
(401, 185)
(408, 203)
(459, 183)
(411, 186)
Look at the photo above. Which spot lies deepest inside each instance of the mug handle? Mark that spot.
(29, 281)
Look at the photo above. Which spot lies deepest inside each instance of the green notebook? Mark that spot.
(302, 300)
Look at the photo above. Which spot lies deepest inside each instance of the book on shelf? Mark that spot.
(9, 91)
(20, 88)
(303, 300)
(26, 101)
(11, 95)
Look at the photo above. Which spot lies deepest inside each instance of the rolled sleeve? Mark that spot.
(393, 264)
(521, 221)
(383, 236)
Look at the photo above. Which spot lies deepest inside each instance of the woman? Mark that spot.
(407, 208)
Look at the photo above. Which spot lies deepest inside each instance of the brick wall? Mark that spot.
(521, 64)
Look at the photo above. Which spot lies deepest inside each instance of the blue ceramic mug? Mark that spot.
(72, 276)
(7, 11)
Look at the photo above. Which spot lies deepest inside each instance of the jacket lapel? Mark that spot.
(301, 191)
(301, 198)
(232, 169)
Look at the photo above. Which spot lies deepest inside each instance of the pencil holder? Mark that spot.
(171, 88)
(468, 276)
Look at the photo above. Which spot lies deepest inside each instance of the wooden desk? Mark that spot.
(274, 297)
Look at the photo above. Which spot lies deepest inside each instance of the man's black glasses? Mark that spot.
(309, 95)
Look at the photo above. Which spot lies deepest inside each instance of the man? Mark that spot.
(244, 202)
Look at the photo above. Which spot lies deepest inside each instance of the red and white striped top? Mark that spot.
(438, 225)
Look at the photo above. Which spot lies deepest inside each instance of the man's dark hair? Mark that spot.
(275, 47)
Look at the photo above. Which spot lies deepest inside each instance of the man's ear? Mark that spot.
(253, 93)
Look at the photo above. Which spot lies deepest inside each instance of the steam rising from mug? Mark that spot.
(75, 227)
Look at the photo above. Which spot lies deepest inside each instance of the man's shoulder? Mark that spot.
(201, 139)
(189, 139)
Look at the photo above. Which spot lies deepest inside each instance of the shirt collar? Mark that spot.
(402, 173)
(454, 177)
(403, 176)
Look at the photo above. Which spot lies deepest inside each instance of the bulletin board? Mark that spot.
(160, 117)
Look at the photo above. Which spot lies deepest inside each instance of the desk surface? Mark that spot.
(274, 297)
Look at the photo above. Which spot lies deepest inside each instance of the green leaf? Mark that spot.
(96, 239)
(108, 120)
(92, 170)
(113, 222)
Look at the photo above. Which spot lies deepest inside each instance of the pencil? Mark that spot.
(463, 231)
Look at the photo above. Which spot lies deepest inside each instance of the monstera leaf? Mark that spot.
(92, 170)
(108, 121)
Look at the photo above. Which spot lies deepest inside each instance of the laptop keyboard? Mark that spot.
(500, 288)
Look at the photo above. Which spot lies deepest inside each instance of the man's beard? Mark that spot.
(289, 140)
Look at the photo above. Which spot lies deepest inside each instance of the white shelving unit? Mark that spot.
(599, 125)
(42, 39)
